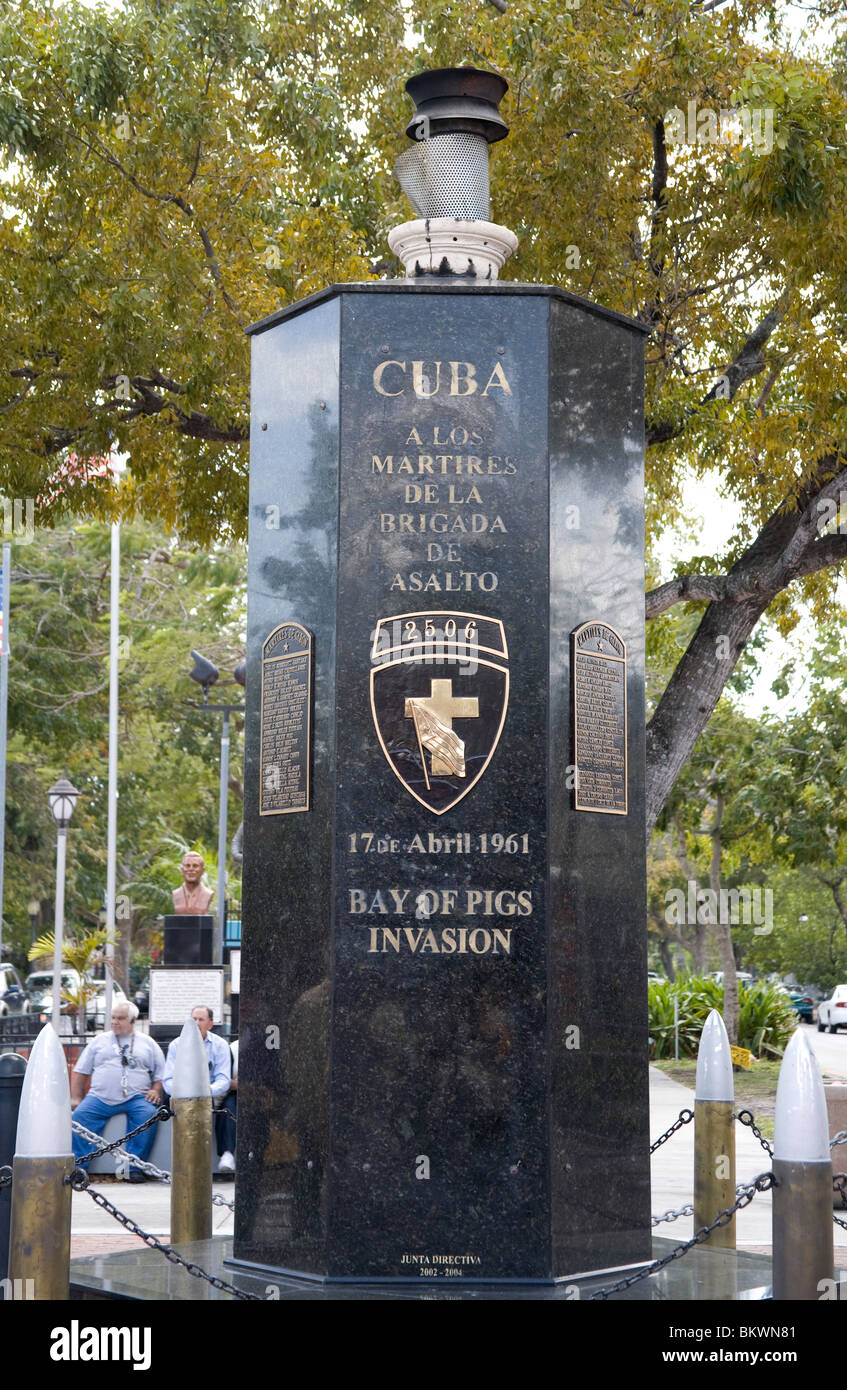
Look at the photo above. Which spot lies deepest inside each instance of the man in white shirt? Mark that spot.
(126, 1070)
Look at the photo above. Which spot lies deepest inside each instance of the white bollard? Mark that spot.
(40, 1238)
(802, 1164)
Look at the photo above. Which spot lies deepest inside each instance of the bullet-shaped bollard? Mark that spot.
(12, 1072)
(802, 1165)
(191, 1102)
(40, 1237)
(714, 1132)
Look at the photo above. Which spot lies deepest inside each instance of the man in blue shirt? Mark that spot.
(220, 1067)
(217, 1055)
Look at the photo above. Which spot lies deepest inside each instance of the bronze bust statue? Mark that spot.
(192, 897)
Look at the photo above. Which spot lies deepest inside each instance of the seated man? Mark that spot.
(220, 1066)
(225, 1119)
(126, 1070)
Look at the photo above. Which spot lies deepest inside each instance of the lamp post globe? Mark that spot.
(62, 797)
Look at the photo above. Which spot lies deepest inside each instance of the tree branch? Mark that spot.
(747, 363)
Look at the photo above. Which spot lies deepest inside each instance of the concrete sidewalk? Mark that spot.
(672, 1171)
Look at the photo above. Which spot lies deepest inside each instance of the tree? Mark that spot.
(172, 599)
(715, 821)
(183, 168)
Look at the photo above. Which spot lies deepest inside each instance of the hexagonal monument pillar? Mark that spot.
(443, 1069)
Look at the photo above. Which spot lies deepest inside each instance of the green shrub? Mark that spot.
(766, 1019)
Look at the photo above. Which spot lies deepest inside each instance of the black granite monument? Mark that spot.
(443, 1065)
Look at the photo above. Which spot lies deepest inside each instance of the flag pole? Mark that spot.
(112, 793)
(420, 744)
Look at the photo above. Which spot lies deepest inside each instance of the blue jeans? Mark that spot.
(94, 1113)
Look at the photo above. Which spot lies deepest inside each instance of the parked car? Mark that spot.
(13, 996)
(39, 987)
(803, 1004)
(95, 1009)
(142, 997)
(832, 1012)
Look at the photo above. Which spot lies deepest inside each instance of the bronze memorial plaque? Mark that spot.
(599, 712)
(285, 721)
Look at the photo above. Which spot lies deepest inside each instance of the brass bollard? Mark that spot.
(191, 1183)
(191, 1102)
(40, 1235)
(803, 1254)
(714, 1132)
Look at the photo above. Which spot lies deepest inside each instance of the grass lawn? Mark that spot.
(754, 1089)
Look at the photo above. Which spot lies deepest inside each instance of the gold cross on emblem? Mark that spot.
(442, 703)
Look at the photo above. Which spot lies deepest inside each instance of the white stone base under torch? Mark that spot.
(449, 246)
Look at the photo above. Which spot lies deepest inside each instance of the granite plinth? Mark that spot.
(703, 1274)
(189, 939)
(443, 1060)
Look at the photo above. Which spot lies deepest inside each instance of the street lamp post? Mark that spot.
(33, 908)
(206, 674)
(62, 797)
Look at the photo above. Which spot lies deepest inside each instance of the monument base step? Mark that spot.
(701, 1275)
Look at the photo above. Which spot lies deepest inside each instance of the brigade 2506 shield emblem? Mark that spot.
(439, 693)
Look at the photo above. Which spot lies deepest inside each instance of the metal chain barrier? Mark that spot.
(840, 1138)
(79, 1181)
(689, 1209)
(763, 1183)
(672, 1215)
(163, 1113)
(5, 1176)
(746, 1117)
(839, 1185)
(119, 1152)
(218, 1200)
(685, 1118)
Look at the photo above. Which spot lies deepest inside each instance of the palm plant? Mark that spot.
(81, 952)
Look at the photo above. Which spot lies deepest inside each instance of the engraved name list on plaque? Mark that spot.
(285, 720)
(599, 714)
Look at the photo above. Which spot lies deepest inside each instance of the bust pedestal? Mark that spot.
(189, 939)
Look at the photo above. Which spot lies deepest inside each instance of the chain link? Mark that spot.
(218, 1200)
(840, 1138)
(685, 1118)
(163, 1113)
(672, 1215)
(746, 1117)
(763, 1183)
(80, 1182)
(5, 1176)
